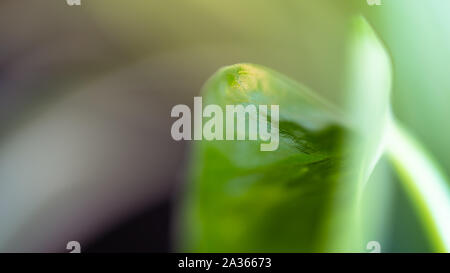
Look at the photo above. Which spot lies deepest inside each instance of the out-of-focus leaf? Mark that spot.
(370, 115)
(368, 96)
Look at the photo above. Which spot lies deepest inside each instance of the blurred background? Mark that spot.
(86, 92)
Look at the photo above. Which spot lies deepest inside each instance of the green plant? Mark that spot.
(308, 195)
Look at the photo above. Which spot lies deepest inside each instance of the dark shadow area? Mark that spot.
(148, 231)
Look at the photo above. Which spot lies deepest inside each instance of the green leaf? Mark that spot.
(369, 103)
(303, 196)
(246, 200)
(306, 196)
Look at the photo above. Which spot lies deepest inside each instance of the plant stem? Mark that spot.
(423, 181)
